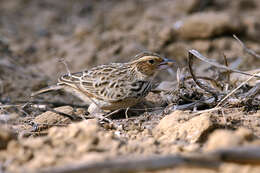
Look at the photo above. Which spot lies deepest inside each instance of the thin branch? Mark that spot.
(202, 86)
(211, 160)
(63, 61)
(5, 106)
(203, 58)
(228, 72)
(191, 106)
(246, 49)
(239, 155)
(234, 90)
(126, 165)
(249, 96)
(207, 111)
(212, 81)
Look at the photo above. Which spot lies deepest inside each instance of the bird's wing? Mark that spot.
(110, 83)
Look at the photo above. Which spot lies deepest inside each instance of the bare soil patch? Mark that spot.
(54, 132)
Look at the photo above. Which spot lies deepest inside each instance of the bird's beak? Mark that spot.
(166, 63)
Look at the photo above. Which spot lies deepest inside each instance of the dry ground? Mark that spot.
(34, 35)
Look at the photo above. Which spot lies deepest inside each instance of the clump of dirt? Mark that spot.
(55, 129)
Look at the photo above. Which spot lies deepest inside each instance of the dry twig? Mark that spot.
(212, 160)
(126, 165)
(194, 53)
(202, 86)
(63, 61)
(234, 90)
(227, 73)
(249, 51)
(209, 61)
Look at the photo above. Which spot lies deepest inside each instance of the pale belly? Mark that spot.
(119, 105)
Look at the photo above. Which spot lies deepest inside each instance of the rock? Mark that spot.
(222, 139)
(6, 136)
(232, 168)
(85, 136)
(54, 118)
(206, 25)
(22, 154)
(252, 24)
(193, 130)
(86, 128)
(244, 133)
(34, 143)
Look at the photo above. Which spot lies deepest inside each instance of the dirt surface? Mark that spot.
(34, 35)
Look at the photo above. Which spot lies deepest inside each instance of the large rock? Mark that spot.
(226, 138)
(49, 118)
(176, 127)
(207, 24)
(6, 136)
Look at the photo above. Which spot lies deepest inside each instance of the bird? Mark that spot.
(113, 86)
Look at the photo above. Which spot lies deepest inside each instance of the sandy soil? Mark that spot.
(34, 35)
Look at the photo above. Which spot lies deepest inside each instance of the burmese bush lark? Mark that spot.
(113, 86)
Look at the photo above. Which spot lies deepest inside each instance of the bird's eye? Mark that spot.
(151, 61)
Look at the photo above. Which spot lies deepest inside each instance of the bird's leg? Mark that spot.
(99, 113)
(126, 112)
(96, 111)
(111, 113)
(94, 108)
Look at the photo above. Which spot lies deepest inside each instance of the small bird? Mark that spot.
(113, 86)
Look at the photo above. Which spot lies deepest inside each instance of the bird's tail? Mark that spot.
(47, 89)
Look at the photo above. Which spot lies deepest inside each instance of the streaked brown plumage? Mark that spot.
(113, 86)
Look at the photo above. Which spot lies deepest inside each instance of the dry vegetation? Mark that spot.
(204, 116)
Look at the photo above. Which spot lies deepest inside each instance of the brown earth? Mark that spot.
(35, 34)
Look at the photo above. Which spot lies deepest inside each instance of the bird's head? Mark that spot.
(148, 64)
